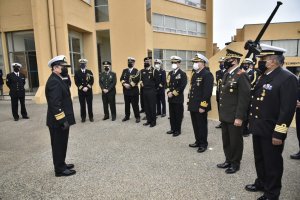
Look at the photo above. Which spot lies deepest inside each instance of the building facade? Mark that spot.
(34, 31)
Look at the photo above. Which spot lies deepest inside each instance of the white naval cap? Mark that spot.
(16, 64)
(158, 61)
(175, 59)
(199, 57)
(83, 60)
(131, 59)
(248, 60)
(270, 50)
(58, 60)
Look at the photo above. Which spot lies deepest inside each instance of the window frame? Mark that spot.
(76, 35)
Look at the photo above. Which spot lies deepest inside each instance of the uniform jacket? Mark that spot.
(16, 84)
(176, 83)
(1, 79)
(219, 76)
(150, 78)
(201, 87)
(84, 80)
(253, 76)
(131, 78)
(60, 107)
(234, 96)
(163, 81)
(273, 103)
(108, 81)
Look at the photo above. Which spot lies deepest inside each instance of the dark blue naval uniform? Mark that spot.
(161, 97)
(17, 93)
(199, 97)
(176, 83)
(272, 107)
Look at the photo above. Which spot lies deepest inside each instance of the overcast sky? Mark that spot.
(230, 15)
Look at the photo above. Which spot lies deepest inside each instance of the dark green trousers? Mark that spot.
(233, 144)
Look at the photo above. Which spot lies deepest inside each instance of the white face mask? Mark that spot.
(196, 66)
(157, 66)
(174, 66)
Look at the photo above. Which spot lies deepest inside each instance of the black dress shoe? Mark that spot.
(91, 119)
(125, 119)
(219, 126)
(105, 118)
(176, 133)
(67, 172)
(295, 156)
(253, 188)
(201, 149)
(224, 165)
(137, 120)
(163, 115)
(25, 117)
(113, 118)
(170, 132)
(16, 119)
(82, 120)
(146, 124)
(152, 125)
(194, 145)
(70, 166)
(263, 197)
(232, 169)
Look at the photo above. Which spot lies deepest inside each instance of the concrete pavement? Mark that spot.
(116, 160)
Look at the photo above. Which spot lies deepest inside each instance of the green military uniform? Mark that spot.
(234, 102)
(107, 82)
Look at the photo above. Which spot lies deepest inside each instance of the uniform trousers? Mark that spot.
(109, 99)
(199, 121)
(298, 124)
(269, 165)
(176, 116)
(134, 101)
(161, 102)
(59, 144)
(14, 106)
(233, 143)
(83, 100)
(149, 96)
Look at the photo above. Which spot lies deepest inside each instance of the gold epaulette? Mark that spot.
(281, 128)
(203, 104)
(59, 116)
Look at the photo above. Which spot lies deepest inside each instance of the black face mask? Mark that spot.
(221, 66)
(106, 69)
(130, 65)
(64, 72)
(146, 65)
(244, 67)
(16, 69)
(82, 65)
(227, 64)
(262, 66)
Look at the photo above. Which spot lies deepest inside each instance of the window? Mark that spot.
(193, 3)
(148, 11)
(176, 25)
(165, 54)
(101, 10)
(292, 46)
(75, 47)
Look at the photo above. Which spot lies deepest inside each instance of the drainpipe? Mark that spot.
(52, 28)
